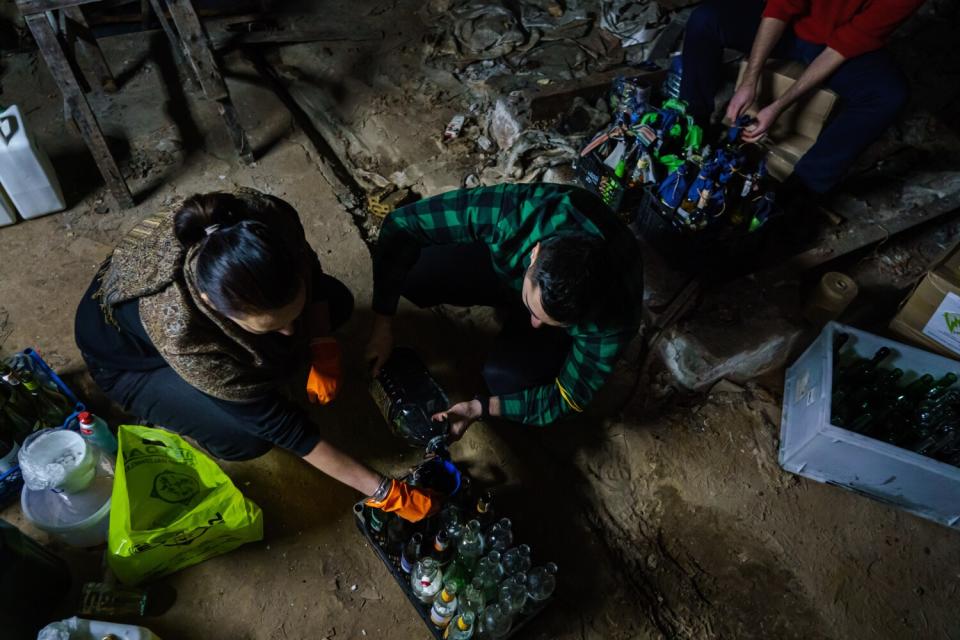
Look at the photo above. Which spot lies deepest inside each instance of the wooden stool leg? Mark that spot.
(91, 47)
(79, 108)
(175, 45)
(200, 55)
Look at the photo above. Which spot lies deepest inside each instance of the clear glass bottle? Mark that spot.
(513, 593)
(426, 580)
(445, 605)
(442, 550)
(472, 598)
(516, 559)
(541, 582)
(496, 622)
(469, 550)
(461, 628)
(500, 535)
(489, 572)
(101, 599)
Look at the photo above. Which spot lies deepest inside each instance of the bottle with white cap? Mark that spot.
(94, 429)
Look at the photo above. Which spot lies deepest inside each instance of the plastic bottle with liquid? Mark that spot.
(94, 429)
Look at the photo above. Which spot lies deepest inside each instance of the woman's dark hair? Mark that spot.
(249, 261)
(573, 275)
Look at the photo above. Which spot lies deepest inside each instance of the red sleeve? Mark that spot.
(785, 10)
(869, 29)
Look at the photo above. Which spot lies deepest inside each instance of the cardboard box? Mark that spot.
(930, 316)
(797, 128)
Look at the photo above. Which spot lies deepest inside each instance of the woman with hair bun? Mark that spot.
(200, 315)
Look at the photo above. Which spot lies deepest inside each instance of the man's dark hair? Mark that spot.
(572, 273)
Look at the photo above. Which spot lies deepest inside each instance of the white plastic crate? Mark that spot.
(814, 448)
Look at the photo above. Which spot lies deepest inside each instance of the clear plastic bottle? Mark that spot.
(445, 605)
(426, 580)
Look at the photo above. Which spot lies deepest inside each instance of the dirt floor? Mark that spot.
(666, 522)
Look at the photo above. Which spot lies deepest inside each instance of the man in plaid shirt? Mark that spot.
(566, 269)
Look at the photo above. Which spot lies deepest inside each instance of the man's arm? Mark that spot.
(768, 35)
(812, 77)
(463, 216)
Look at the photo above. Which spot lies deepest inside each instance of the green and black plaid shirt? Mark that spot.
(510, 220)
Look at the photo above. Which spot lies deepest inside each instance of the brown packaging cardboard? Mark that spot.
(930, 316)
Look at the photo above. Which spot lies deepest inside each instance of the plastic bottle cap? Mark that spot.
(84, 417)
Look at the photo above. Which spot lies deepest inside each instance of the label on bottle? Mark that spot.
(943, 327)
(440, 620)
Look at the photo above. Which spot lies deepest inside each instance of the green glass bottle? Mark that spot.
(52, 407)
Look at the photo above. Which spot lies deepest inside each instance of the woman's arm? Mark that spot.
(340, 466)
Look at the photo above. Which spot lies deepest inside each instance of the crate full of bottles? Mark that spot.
(463, 569)
(877, 417)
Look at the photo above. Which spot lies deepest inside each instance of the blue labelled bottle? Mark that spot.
(94, 429)
(444, 605)
(411, 553)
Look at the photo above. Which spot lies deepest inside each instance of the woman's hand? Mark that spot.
(323, 380)
(460, 416)
(410, 503)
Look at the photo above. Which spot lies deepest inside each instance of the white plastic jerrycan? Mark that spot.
(25, 170)
(8, 214)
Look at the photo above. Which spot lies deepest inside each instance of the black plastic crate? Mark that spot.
(392, 562)
(692, 250)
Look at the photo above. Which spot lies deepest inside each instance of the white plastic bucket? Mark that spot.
(25, 170)
(57, 459)
(78, 519)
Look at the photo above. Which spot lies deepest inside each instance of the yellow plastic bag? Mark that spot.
(172, 507)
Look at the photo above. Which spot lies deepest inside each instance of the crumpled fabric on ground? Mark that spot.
(486, 29)
(635, 23)
(556, 60)
(532, 153)
(574, 22)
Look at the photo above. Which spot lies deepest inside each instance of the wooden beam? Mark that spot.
(78, 107)
(197, 49)
(30, 7)
(80, 29)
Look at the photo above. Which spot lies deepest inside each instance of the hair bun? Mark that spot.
(201, 211)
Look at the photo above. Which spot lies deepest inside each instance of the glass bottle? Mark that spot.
(19, 403)
(489, 572)
(442, 549)
(469, 550)
(483, 511)
(411, 553)
(53, 405)
(472, 598)
(445, 605)
(513, 593)
(516, 559)
(461, 628)
(451, 522)
(101, 599)
(541, 582)
(495, 622)
(500, 535)
(426, 580)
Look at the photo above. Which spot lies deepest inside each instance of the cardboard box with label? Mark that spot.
(930, 316)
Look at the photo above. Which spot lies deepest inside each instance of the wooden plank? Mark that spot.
(549, 102)
(239, 137)
(78, 108)
(91, 47)
(30, 7)
(858, 235)
(197, 49)
(176, 46)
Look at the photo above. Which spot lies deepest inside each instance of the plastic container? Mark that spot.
(8, 213)
(813, 447)
(25, 170)
(94, 429)
(78, 519)
(57, 459)
(83, 629)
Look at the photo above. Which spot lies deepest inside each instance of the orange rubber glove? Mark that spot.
(407, 502)
(324, 378)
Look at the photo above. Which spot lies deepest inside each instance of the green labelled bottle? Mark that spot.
(445, 605)
(461, 628)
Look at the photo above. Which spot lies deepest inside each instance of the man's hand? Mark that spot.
(764, 120)
(380, 344)
(742, 98)
(460, 416)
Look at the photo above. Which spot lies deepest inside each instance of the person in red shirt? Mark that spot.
(841, 44)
